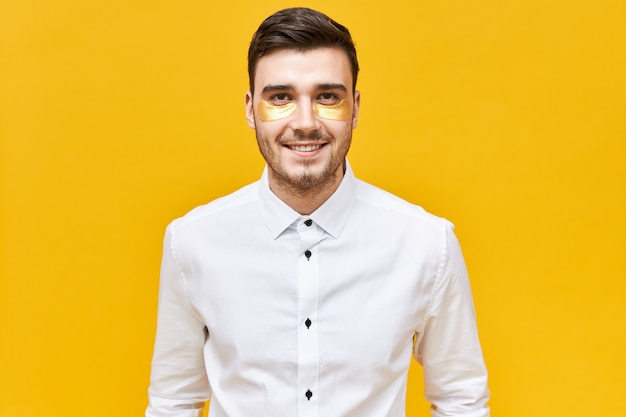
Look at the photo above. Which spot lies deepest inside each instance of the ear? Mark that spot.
(249, 110)
(355, 109)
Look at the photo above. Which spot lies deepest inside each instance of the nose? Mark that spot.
(304, 118)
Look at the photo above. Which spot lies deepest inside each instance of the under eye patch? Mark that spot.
(268, 112)
(340, 111)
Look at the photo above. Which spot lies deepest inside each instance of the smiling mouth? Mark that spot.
(304, 148)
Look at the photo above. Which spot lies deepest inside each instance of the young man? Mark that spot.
(306, 293)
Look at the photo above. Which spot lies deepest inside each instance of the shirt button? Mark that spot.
(307, 254)
(308, 394)
(308, 323)
(308, 222)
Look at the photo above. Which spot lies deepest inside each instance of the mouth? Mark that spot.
(305, 148)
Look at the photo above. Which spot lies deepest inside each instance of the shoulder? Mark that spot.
(398, 208)
(218, 209)
(414, 234)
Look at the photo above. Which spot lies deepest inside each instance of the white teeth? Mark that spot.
(307, 148)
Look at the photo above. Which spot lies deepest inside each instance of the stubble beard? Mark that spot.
(305, 181)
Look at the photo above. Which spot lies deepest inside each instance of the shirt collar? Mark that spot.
(330, 216)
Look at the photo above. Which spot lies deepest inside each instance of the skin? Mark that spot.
(305, 153)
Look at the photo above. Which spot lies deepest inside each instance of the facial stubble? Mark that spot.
(307, 182)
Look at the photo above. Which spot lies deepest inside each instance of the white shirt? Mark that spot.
(274, 314)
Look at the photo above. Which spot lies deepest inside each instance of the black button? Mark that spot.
(307, 254)
(308, 222)
(308, 394)
(308, 323)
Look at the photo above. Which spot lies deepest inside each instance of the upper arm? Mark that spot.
(448, 347)
(178, 383)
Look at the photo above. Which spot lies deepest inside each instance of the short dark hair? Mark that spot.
(303, 29)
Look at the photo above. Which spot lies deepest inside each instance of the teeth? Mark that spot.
(307, 148)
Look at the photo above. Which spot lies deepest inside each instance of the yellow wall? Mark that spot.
(508, 117)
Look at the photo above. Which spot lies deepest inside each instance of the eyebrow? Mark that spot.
(331, 87)
(277, 87)
(290, 87)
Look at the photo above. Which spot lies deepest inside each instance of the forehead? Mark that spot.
(303, 69)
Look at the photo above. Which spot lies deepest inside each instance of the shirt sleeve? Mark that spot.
(178, 383)
(455, 376)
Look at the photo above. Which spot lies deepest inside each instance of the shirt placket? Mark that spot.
(308, 295)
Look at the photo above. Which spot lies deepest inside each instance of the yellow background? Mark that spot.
(507, 117)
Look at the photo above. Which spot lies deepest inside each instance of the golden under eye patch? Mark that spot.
(341, 111)
(269, 113)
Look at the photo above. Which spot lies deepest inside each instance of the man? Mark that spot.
(307, 292)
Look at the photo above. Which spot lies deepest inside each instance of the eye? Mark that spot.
(280, 98)
(328, 98)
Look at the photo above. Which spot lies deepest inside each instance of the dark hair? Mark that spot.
(303, 29)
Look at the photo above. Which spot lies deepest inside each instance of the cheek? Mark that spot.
(341, 132)
(268, 132)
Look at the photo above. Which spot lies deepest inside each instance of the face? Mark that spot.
(303, 110)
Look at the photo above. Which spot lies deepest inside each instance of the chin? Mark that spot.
(309, 178)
